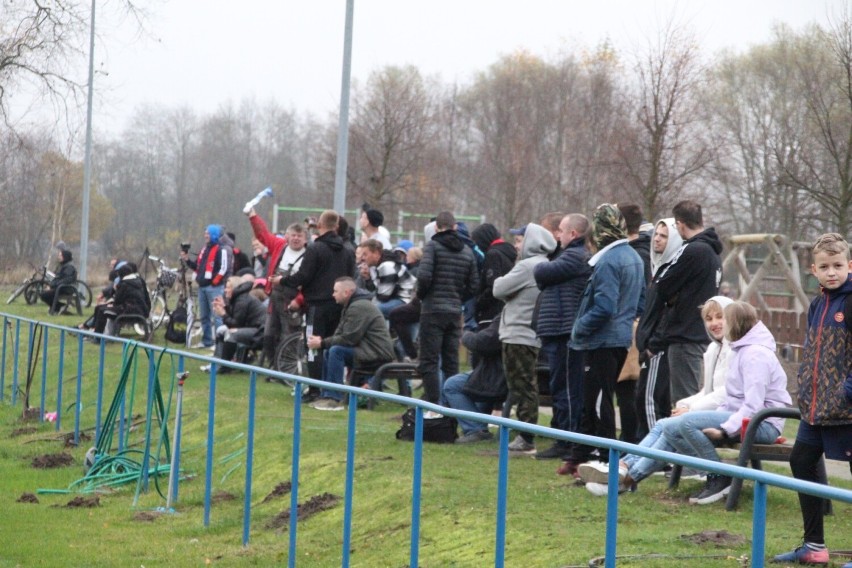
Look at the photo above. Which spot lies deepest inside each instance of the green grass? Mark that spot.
(551, 521)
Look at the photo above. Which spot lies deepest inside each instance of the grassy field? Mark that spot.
(551, 520)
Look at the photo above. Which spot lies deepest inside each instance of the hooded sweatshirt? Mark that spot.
(689, 280)
(756, 380)
(716, 360)
(325, 260)
(673, 244)
(211, 267)
(500, 257)
(519, 290)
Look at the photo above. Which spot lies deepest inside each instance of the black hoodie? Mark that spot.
(690, 279)
(499, 259)
(448, 275)
(325, 260)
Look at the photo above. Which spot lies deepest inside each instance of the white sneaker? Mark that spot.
(520, 445)
(204, 368)
(597, 489)
(598, 472)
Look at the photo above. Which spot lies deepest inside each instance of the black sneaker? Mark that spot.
(716, 488)
(554, 452)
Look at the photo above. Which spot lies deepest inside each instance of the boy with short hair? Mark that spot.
(825, 390)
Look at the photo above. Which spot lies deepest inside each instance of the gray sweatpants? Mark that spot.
(685, 363)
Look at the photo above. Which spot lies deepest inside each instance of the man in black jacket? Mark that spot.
(325, 260)
(65, 274)
(691, 279)
(448, 277)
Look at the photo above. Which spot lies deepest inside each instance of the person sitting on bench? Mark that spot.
(243, 319)
(66, 274)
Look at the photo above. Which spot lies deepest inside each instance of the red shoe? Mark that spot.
(569, 467)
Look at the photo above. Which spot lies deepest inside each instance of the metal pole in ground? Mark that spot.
(173, 473)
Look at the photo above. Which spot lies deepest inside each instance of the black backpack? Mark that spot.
(441, 430)
(176, 329)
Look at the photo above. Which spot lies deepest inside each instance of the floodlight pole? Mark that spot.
(343, 125)
(87, 160)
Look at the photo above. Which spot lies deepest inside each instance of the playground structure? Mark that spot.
(408, 225)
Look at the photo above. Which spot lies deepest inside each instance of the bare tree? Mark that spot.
(670, 147)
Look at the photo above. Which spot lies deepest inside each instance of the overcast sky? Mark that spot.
(205, 53)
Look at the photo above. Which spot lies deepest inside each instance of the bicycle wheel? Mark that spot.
(291, 357)
(159, 314)
(33, 291)
(85, 293)
(18, 291)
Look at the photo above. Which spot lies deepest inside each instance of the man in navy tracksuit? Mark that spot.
(211, 270)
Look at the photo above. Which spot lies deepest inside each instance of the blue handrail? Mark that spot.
(615, 448)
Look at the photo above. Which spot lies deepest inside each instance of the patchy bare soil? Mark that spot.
(69, 442)
(146, 516)
(27, 498)
(222, 496)
(716, 538)
(48, 461)
(32, 413)
(311, 507)
(84, 502)
(23, 431)
(280, 490)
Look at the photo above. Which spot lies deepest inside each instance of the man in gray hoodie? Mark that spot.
(520, 345)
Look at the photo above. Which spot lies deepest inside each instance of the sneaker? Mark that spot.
(204, 368)
(475, 436)
(602, 489)
(327, 404)
(689, 473)
(598, 472)
(716, 488)
(804, 555)
(310, 397)
(521, 446)
(569, 467)
(556, 451)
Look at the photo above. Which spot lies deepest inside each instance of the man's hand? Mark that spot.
(679, 410)
(714, 434)
(218, 306)
(251, 213)
(314, 342)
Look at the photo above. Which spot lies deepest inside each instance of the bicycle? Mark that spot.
(166, 278)
(33, 286)
(31, 293)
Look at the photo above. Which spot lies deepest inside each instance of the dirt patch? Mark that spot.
(30, 414)
(69, 439)
(715, 538)
(222, 496)
(146, 516)
(27, 498)
(23, 431)
(84, 502)
(280, 490)
(48, 461)
(314, 505)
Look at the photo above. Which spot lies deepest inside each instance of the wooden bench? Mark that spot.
(756, 453)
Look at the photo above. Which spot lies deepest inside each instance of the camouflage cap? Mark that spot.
(608, 225)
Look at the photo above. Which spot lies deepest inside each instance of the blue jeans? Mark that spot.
(335, 361)
(639, 467)
(556, 351)
(386, 307)
(452, 396)
(205, 312)
(688, 439)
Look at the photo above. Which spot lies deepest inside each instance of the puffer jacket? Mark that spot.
(825, 374)
(518, 288)
(325, 260)
(755, 381)
(243, 309)
(363, 327)
(561, 282)
(448, 275)
(65, 274)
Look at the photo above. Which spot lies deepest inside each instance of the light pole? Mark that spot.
(343, 125)
(87, 160)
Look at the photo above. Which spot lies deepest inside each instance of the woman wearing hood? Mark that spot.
(65, 274)
(211, 270)
(636, 468)
(520, 346)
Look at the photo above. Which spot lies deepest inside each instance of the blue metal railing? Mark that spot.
(615, 448)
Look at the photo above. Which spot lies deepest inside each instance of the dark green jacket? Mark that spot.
(363, 327)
